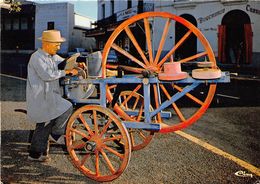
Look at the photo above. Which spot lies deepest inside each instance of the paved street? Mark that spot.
(231, 124)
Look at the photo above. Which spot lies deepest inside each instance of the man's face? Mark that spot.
(51, 48)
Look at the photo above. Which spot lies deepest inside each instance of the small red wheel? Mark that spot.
(131, 101)
(91, 136)
(142, 31)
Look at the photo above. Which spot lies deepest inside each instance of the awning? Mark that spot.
(94, 32)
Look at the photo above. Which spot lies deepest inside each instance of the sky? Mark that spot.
(86, 8)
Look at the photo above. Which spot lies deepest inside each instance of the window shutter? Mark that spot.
(248, 43)
(221, 43)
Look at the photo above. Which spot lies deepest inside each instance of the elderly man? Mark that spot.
(45, 105)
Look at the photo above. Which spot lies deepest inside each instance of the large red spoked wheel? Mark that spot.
(92, 137)
(147, 33)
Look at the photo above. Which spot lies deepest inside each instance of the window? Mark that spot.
(32, 24)
(24, 23)
(16, 24)
(140, 6)
(112, 7)
(103, 11)
(50, 25)
(2, 25)
(8, 24)
(129, 4)
(101, 45)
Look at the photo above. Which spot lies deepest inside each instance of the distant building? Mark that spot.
(227, 24)
(20, 30)
(58, 16)
(78, 38)
(111, 14)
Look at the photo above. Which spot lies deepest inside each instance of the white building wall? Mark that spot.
(255, 20)
(84, 22)
(119, 5)
(62, 14)
(209, 28)
(70, 24)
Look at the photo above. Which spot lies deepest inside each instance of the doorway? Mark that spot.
(235, 38)
(189, 47)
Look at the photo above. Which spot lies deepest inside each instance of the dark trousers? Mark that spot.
(57, 126)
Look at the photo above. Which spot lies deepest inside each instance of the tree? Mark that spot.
(11, 5)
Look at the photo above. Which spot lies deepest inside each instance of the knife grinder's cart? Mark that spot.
(138, 96)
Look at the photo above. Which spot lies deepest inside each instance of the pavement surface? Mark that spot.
(232, 124)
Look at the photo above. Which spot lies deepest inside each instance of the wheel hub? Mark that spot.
(90, 146)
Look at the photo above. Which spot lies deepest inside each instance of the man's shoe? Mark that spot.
(41, 158)
(59, 139)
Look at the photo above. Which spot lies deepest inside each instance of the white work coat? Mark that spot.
(43, 95)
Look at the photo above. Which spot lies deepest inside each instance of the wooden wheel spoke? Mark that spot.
(125, 102)
(114, 138)
(131, 94)
(111, 87)
(140, 113)
(178, 112)
(140, 133)
(193, 57)
(127, 54)
(156, 97)
(176, 109)
(82, 119)
(132, 137)
(132, 69)
(170, 53)
(106, 127)
(97, 163)
(135, 43)
(164, 36)
(84, 159)
(193, 98)
(79, 133)
(77, 145)
(110, 166)
(111, 66)
(136, 102)
(113, 151)
(148, 39)
(95, 121)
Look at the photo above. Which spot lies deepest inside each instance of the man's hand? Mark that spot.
(82, 65)
(72, 72)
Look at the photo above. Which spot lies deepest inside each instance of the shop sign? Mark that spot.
(125, 14)
(215, 14)
(252, 10)
(113, 27)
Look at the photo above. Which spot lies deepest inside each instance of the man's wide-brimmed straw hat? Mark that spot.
(52, 36)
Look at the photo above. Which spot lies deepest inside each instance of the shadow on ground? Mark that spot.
(16, 167)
